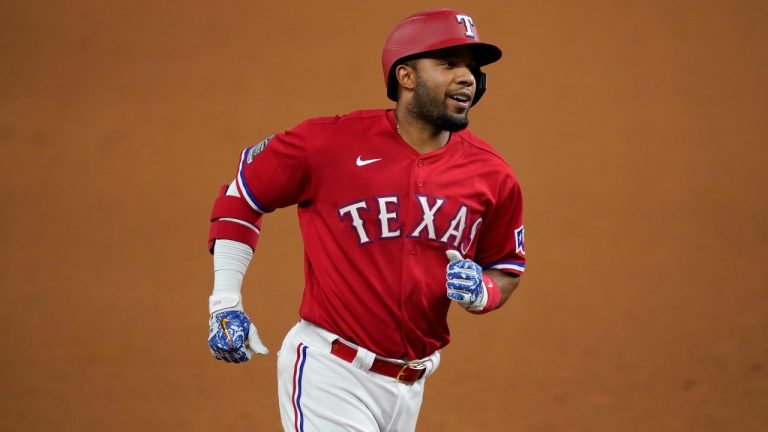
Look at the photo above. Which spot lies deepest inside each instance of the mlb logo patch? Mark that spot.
(520, 240)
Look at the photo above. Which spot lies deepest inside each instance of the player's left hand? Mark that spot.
(465, 282)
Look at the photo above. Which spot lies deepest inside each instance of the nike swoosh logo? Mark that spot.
(364, 162)
(224, 322)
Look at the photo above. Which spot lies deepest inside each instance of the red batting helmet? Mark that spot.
(432, 30)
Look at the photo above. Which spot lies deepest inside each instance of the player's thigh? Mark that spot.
(320, 393)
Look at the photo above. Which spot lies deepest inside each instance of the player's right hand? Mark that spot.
(464, 281)
(232, 337)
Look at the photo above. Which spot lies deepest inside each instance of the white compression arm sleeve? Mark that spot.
(230, 261)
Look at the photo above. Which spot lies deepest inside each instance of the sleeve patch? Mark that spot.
(258, 148)
(520, 240)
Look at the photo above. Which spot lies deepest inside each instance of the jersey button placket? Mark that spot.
(419, 186)
(420, 179)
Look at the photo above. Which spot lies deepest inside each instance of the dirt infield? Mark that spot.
(638, 131)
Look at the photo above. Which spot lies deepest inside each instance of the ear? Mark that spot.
(406, 77)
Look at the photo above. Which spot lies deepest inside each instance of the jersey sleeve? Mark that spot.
(274, 173)
(501, 244)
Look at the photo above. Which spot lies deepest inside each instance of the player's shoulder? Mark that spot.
(488, 163)
(481, 147)
(321, 134)
(352, 118)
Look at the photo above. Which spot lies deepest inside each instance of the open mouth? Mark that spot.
(463, 97)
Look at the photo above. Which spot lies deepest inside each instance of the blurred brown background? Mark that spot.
(639, 131)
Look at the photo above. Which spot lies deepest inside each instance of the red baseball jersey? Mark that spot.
(377, 217)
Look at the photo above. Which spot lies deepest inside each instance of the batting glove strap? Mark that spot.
(227, 301)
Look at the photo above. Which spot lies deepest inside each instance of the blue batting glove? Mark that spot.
(232, 337)
(464, 281)
(227, 336)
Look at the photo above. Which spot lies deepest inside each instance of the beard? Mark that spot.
(430, 108)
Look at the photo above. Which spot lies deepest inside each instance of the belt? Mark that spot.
(408, 372)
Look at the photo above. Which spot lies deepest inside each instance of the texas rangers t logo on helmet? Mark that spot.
(468, 24)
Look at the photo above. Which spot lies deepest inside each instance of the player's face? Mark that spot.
(444, 89)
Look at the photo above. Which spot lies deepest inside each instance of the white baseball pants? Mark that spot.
(319, 392)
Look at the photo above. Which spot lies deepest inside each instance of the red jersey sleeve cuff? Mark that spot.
(512, 267)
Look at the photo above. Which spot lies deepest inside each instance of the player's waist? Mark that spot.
(402, 371)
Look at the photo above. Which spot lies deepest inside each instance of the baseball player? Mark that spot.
(403, 212)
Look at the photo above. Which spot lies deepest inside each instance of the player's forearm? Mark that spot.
(230, 262)
(506, 283)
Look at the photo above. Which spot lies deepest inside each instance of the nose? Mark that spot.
(464, 76)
